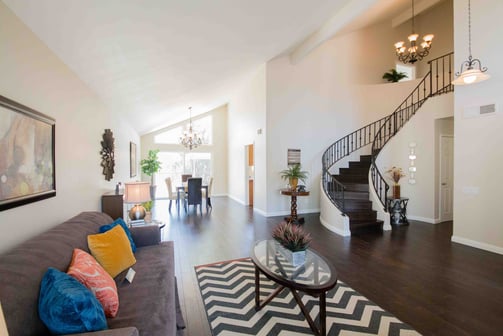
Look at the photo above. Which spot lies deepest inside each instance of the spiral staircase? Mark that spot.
(349, 190)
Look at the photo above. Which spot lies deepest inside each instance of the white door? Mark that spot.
(446, 176)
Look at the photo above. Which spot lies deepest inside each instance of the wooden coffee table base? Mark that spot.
(321, 330)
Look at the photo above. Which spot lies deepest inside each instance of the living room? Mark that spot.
(33, 74)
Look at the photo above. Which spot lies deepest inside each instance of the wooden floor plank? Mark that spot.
(415, 271)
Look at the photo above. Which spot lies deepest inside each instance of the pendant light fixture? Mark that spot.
(190, 139)
(414, 53)
(472, 70)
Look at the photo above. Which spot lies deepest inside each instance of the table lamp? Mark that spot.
(137, 193)
(3, 325)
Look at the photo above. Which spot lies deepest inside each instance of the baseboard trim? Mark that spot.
(423, 219)
(476, 244)
(338, 231)
(236, 199)
(287, 212)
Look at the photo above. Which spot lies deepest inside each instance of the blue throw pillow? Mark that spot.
(120, 221)
(66, 306)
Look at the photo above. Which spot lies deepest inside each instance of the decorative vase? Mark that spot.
(294, 181)
(396, 191)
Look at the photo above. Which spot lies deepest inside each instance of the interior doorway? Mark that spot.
(446, 177)
(249, 173)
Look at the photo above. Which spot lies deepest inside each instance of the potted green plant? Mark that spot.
(394, 76)
(294, 239)
(150, 166)
(293, 174)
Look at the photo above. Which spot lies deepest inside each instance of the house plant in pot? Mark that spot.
(293, 240)
(293, 174)
(149, 167)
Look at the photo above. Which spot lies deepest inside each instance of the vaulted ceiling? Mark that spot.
(152, 59)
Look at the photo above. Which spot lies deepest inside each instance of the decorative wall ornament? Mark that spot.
(412, 163)
(27, 160)
(107, 154)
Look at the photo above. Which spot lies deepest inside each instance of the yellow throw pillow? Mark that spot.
(112, 250)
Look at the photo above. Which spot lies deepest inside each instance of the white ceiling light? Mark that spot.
(472, 70)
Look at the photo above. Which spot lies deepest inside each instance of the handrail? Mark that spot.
(379, 132)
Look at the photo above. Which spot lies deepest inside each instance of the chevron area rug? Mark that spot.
(228, 293)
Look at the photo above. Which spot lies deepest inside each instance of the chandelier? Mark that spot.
(414, 52)
(474, 71)
(190, 139)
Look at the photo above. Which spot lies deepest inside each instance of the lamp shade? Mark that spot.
(136, 192)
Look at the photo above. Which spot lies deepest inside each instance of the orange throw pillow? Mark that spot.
(87, 271)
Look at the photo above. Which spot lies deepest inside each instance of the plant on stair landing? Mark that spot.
(394, 76)
(293, 174)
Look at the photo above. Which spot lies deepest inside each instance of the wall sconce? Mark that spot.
(412, 163)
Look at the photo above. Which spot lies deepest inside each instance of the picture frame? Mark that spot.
(28, 160)
(132, 159)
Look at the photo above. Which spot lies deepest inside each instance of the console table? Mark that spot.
(293, 218)
(397, 208)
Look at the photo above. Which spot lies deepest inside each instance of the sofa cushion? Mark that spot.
(149, 302)
(66, 306)
(89, 272)
(120, 221)
(112, 250)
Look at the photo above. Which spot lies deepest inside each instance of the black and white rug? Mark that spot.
(228, 292)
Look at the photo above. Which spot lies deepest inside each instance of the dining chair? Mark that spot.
(208, 197)
(185, 177)
(194, 194)
(171, 195)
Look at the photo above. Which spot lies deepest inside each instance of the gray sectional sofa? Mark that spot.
(147, 306)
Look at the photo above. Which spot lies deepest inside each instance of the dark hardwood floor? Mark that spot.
(415, 272)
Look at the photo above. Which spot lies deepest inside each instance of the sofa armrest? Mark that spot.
(127, 331)
(146, 235)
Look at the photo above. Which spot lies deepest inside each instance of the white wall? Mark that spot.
(33, 76)
(247, 110)
(218, 148)
(478, 141)
(330, 93)
(421, 130)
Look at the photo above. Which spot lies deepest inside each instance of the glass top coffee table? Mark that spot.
(316, 276)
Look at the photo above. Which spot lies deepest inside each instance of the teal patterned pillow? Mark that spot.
(67, 307)
(120, 221)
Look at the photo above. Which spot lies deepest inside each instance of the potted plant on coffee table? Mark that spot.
(293, 174)
(294, 241)
(149, 167)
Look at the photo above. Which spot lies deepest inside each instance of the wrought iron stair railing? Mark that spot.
(378, 133)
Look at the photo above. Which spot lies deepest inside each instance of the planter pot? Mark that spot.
(148, 217)
(152, 191)
(396, 191)
(296, 258)
(294, 181)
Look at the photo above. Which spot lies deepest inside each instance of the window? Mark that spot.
(408, 69)
(174, 164)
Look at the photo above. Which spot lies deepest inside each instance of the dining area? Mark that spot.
(190, 191)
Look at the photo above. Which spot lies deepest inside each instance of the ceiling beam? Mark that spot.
(419, 7)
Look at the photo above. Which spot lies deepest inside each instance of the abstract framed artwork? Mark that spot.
(132, 159)
(27, 162)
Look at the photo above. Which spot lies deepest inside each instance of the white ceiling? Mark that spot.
(152, 59)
